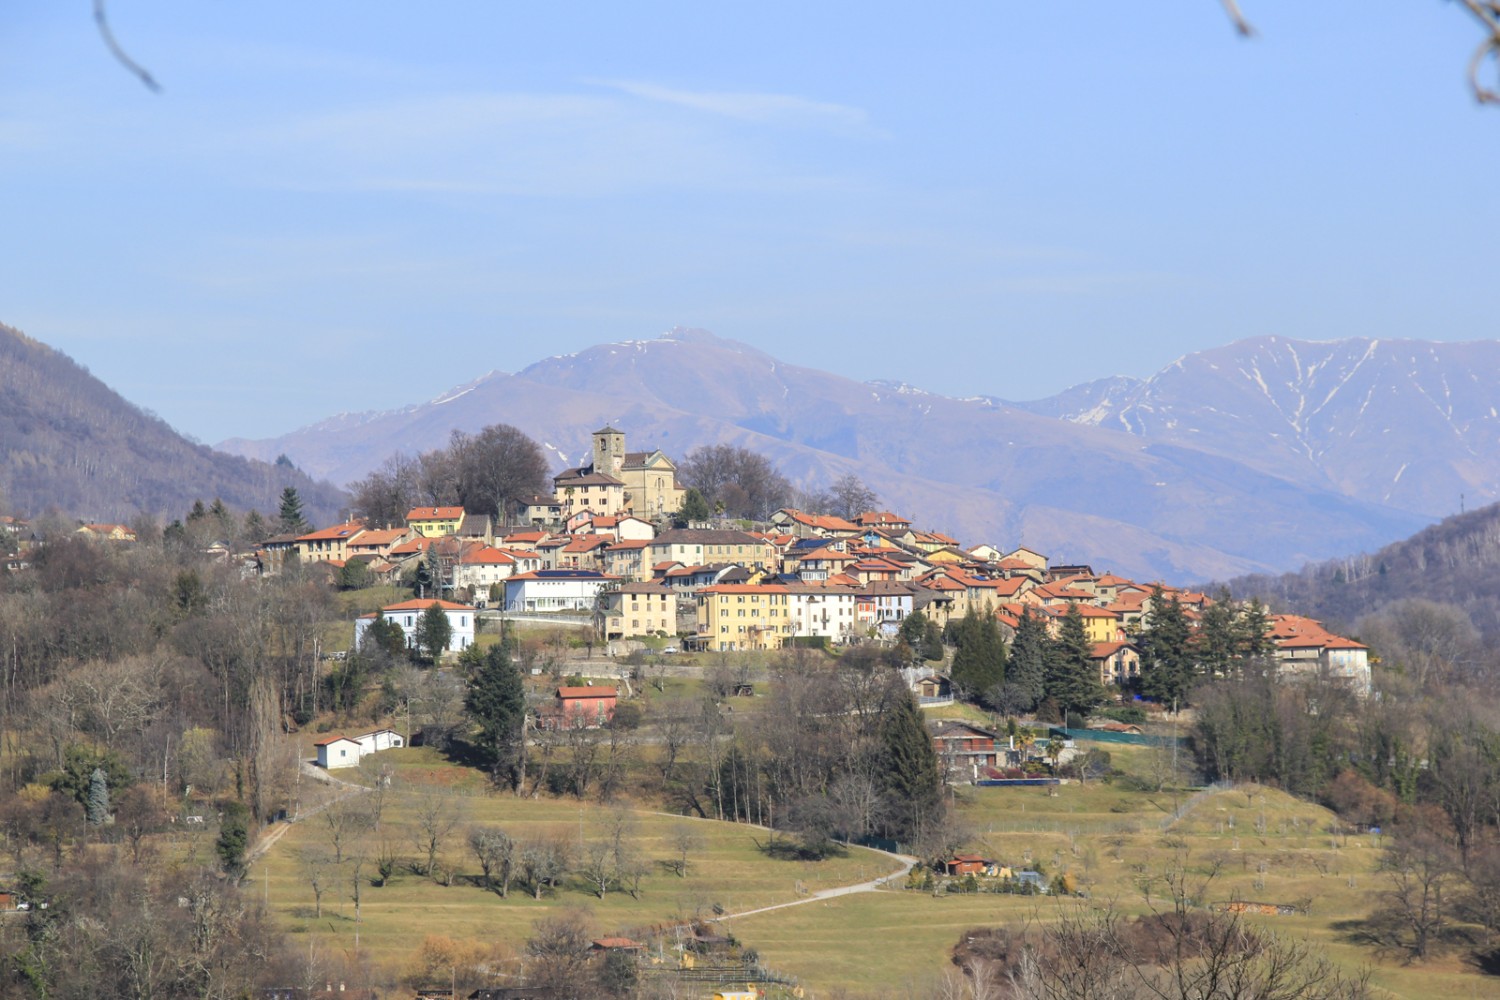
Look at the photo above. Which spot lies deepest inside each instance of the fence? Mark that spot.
(1109, 736)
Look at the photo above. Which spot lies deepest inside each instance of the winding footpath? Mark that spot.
(907, 864)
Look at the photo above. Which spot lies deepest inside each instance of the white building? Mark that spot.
(828, 611)
(556, 590)
(346, 751)
(481, 566)
(407, 613)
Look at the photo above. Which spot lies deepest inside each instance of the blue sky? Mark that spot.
(355, 205)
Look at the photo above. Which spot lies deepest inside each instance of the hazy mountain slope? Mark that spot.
(977, 470)
(1456, 561)
(68, 441)
(1409, 424)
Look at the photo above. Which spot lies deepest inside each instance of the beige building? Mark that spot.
(638, 609)
(329, 544)
(650, 477)
(581, 490)
(714, 546)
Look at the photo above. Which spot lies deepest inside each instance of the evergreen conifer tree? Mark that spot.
(1029, 650)
(434, 631)
(290, 518)
(1254, 624)
(979, 664)
(98, 804)
(234, 838)
(1072, 679)
(496, 702)
(694, 507)
(1220, 637)
(1167, 658)
(911, 785)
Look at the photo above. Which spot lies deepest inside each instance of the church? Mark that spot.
(643, 483)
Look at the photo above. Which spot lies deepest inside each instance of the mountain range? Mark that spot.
(1254, 457)
(70, 443)
(1410, 424)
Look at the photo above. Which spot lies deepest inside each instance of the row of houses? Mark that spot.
(595, 547)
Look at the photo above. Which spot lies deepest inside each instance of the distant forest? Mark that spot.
(1455, 562)
(70, 443)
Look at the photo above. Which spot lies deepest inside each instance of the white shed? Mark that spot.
(337, 751)
(380, 739)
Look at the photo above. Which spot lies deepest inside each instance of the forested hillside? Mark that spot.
(1456, 561)
(70, 442)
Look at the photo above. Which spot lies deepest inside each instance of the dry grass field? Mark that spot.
(1249, 843)
(728, 870)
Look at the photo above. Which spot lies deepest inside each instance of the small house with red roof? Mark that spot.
(585, 707)
(337, 751)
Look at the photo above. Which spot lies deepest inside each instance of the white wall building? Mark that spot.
(556, 590)
(407, 613)
(823, 611)
(346, 751)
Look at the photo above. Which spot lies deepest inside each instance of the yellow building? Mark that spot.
(639, 609)
(739, 617)
(435, 522)
(1101, 624)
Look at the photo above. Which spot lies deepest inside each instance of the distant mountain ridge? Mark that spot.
(980, 469)
(1411, 424)
(67, 441)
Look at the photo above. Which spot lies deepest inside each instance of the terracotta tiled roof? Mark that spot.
(587, 692)
(422, 604)
(435, 514)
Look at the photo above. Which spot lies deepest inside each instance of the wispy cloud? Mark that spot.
(543, 144)
(750, 106)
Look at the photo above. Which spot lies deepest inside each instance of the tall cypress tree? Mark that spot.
(1072, 679)
(496, 702)
(98, 804)
(1167, 660)
(1029, 652)
(911, 785)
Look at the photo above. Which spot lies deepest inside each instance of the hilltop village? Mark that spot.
(622, 694)
(611, 542)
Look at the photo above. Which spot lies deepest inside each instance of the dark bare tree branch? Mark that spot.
(102, 20)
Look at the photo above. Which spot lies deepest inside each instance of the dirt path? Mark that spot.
(345, 789)
(907, 863)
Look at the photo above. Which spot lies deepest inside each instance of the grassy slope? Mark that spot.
(869, 943)
(1082, 830)
(730, 872)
